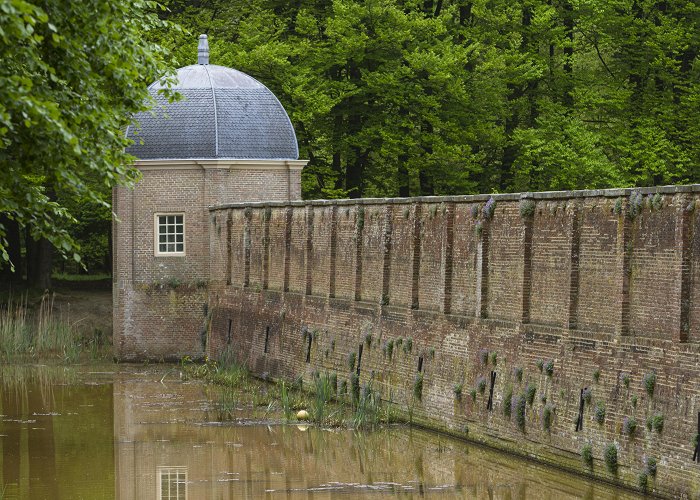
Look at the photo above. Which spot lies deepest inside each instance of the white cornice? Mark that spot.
(220, 164)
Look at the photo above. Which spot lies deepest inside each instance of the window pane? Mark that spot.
(171, 219)
(180, 247)
(162, 247)
(171, 238)
(161, 219)
(161, 238)
(178, 238)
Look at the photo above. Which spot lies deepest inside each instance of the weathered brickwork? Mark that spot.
(606, 291)
(160, 302)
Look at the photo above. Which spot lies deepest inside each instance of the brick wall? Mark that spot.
(578, 282)
(160, 302)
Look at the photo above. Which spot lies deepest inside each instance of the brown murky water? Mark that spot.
(137, 433)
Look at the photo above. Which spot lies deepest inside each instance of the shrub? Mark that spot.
(610, 456)
(457, 390)
(650, 383)
(599, 412)
(507, 402)
(587, 455)
(518, 373)
(549, 368)
(481, 385)
(530, 392)
(629, 426)
(547, 416)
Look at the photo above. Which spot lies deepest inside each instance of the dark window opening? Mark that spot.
(267, 339)
(228, 336)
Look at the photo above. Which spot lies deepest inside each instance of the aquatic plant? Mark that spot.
(518, 374)
(322, 396)
(596, 376)
(481, 385)
(418, 386)
(599, 412)
(610, 457)
(650, 383)
(285, 401)
(368, 410)
(355, 388)
(507, 402)
(587, 455)
(530, 392)
(547, 417)
(457, 390)
(629, 426)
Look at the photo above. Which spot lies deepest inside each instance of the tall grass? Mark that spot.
(43, 333)
(323, 395)
(368, 409)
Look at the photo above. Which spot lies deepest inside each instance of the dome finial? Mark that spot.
(203, 50)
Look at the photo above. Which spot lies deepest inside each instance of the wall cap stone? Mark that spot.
(542, 195)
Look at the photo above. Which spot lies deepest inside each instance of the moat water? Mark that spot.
(134, 432)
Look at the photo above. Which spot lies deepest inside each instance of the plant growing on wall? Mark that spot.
(635, 205)
(610, 457)
(629, 426)
(540, 365)
(650, 466)
(479, 229)
(352, 359)
(472, 394)
(518, 374)
(527, 208)
(475, 210)
(481, 385)
(587, 395)
(431, 352)
(418, 386)
(599, 412)
(484, 357)
(368, 340)
(530, 392)
(457, 390)
(489, 208)
(518, 410)
(507, 402)
(617, 208)
(643, 481)
(650, 383)
(494, 358)
(634, 401)
(549, 368)
(587, 455)
(547, 417)
(625, 378)
(408, 345)
(355, 387)
(655, 422)
(388, 349)
(596, 376)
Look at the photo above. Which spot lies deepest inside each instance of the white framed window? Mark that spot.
(172, 483)
(170, 234)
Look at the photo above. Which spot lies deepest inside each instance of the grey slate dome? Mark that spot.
(224, 114)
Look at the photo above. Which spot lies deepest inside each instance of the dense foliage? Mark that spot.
(408, 97)
(72, 75)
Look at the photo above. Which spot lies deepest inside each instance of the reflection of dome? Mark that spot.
(223, 114)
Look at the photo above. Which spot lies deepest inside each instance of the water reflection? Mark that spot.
(136, 435)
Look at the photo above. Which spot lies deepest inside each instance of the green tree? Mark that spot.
(73, 74)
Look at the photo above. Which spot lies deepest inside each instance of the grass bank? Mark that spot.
(37, 329)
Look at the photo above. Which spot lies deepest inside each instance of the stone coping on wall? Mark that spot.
(541, 195)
